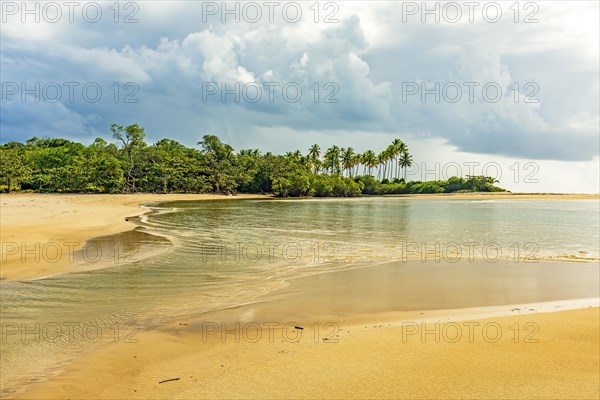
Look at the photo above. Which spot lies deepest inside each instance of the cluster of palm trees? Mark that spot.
(345, 162)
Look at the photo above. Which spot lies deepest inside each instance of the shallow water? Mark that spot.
(226, 254)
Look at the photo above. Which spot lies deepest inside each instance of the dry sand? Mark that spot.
(65, 222)
(554, 355)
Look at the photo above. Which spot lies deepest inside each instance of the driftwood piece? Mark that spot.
(169, 380)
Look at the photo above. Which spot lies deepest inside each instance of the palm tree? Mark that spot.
(347, 159)
(381, 162)
(249, 152)
(318, 166)
(369, 159)
(401, 148)
(356, 161)
(314, 152)
(389, 154)
(395, 146)
(332, 160)
(406, 161)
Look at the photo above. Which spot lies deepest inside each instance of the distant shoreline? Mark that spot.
(505, 195)
(214, 196)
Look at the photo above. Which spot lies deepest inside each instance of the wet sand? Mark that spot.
(545, 355)
(391, 290)
(491, 331)
(40, 232)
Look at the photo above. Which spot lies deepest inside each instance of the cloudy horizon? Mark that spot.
(506, 89)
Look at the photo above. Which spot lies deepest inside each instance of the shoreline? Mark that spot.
(40, 232)
(60, 224)
(368, 358)
(503, 195)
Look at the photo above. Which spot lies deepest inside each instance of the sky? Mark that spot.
(505, 89)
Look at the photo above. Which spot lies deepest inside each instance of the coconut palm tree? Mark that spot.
(401, 148)
(390, 152)
(381, 164)
(318, 166)
(332, 160)
(356, 161)
(314, 152)
(395, 147)
(369, 159)
(406, 161)
(347, 158)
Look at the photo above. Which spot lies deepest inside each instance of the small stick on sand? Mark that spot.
(169, 380)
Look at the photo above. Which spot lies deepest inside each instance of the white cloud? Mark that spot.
(367, 55)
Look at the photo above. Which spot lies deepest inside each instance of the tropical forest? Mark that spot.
(128, 164)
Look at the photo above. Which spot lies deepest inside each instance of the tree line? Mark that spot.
(130, 165)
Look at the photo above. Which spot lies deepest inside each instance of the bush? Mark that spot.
(4, 188)
(292, 184)
(429, 187)
(337, 186)
(369, 184)
(455, 184)
(322, 185)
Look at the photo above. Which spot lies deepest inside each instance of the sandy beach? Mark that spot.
(66, 221)
(545, 350)
(555, 355)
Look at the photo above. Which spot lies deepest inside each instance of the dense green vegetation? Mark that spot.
(130, 165)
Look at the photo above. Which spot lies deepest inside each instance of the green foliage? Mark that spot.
(369, 184)
(337, 186)
(292, 184)
(131, 165)
(290, 175)
(429, 187)
(14, 166)
(133, 145)
(453, 184)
